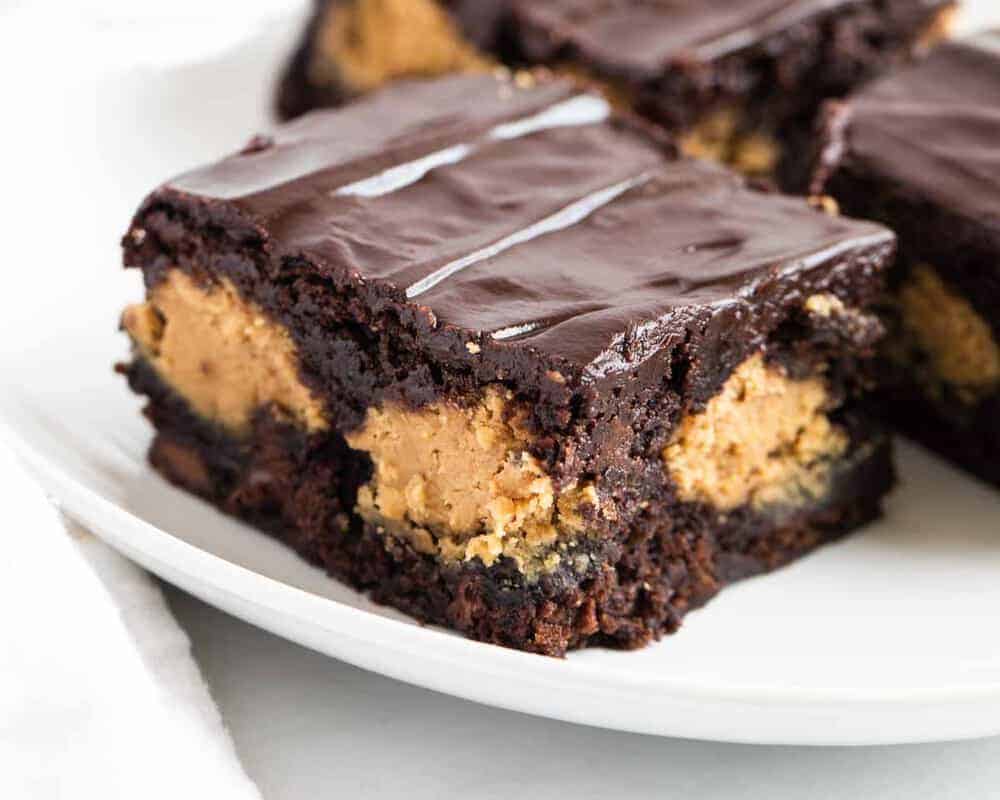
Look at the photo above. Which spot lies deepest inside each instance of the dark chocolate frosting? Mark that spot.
(933, 128)
(528, 216)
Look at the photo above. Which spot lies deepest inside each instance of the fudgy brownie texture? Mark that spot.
(500, 358)
(638, 585)
(920, 151)
(739, 82)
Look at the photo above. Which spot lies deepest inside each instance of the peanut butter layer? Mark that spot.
(825, 305)
(958, 344)
(367, 43)
(459, 482)
(220, 353)
(940, 28)
(764, 440)
(618, 93)
(721, 136)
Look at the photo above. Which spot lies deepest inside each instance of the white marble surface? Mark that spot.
(307, 726)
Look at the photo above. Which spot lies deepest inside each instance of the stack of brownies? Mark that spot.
(504, 344)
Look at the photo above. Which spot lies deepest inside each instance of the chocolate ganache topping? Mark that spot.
(532, 216)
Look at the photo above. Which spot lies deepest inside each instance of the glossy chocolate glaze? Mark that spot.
(933, 128)
(530, 218)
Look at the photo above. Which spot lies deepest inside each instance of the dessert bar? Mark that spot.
(739, 81)
(920, 151)
(500, 358)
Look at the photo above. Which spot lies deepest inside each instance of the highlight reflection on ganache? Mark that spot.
(565, 218)
(579, 110)
(524, 216)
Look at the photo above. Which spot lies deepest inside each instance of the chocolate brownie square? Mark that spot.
(920, 151)
(739, 82)
(501, 359)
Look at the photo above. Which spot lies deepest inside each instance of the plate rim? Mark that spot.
(435, 648)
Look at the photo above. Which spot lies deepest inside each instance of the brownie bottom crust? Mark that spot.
(622, 591)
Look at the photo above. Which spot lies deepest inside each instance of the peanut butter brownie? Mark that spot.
(498, 357)
(920, 150)
(739, 81)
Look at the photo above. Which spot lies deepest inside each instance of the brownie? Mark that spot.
(498, 357)
(920, 150)
(739, 81)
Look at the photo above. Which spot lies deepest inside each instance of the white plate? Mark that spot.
(890, 636)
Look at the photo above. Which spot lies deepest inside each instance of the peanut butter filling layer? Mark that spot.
(721, 136)
(617, 92)
(957, 343)
(367, 43)
(458, 482)
(825, 305)
(939, 29)
(220, 353)
(765, 440)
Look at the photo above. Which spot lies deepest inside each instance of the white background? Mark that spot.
(309, 727)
